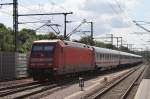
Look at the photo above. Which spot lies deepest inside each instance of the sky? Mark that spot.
(109, 17)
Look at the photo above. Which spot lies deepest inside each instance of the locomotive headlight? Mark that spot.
(32, 64)
(55, 69)
(49, 64)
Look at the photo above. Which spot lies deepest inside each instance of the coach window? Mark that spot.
(106, 56)
(109, 56)
(96, 56)
(103, 56)
(99, 56)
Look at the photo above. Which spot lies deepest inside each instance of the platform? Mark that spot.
(143, 91)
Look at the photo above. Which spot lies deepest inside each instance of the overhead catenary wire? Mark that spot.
(42, 22)
(75, 29)
(28, 22)
(20, 5)
(53, 3)
(7, 12)
(122, 12)
(31, 17)
(113, 9)
(29, 9)
(119, 6)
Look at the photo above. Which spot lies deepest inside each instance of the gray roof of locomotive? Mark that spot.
(97, 49)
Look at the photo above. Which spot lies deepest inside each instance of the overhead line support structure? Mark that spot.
(65, 18)
(15, 20)
(91, 32)
(6, 4)
(141, 26)
(112, 39)
(118, 41)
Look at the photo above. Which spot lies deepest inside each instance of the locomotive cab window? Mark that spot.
(48, 48)
(37, 48)
(42, 49)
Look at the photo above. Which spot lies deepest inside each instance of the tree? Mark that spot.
(25, 38)
(86, 40)
(110, 46)
(49, 36)
(6, 38)
(99, 44)
(123, 48)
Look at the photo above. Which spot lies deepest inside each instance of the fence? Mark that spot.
(7, 65)
(21, 65)
(13, 65)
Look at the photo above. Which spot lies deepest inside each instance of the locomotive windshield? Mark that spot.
(42, 48)
(46, 49)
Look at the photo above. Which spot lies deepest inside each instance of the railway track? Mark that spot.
(15, 82)
(121, 87)
(34, 89)
(31, 89)
(25, 90)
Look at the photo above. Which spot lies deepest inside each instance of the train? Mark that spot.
(52, 58)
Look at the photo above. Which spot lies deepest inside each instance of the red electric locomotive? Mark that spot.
(51, 58)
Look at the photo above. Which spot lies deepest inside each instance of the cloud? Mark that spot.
(109, 16)
(119, 22)
(97, 6)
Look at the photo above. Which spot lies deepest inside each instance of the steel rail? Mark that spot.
(13, 91)
(132, 85)
(103, 91)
